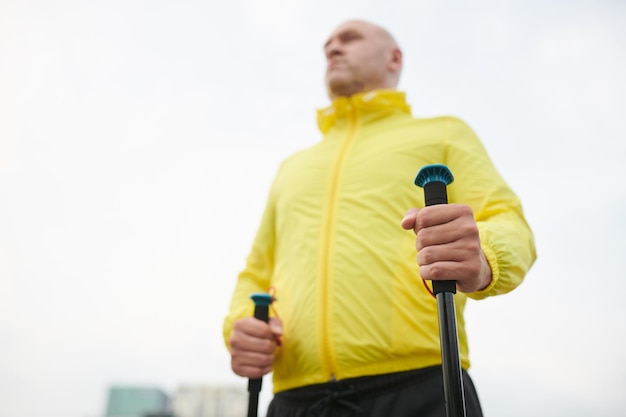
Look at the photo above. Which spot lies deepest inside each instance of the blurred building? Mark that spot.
(210, 401)
(136, 402)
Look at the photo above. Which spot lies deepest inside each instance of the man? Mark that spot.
(359, 332)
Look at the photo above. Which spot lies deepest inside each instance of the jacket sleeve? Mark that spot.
(505, 236)
(256, 276)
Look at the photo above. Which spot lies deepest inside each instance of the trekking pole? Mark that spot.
(434, 179)
(261, 311)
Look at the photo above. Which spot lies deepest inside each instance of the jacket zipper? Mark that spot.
(328, 357)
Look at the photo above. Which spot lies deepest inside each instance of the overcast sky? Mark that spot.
(138, 140)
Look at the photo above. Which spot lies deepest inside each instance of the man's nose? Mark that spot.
(333, 48)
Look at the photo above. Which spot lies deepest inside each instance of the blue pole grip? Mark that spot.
(434, 179)
(262, 302)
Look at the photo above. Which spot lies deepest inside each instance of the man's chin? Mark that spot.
(343, 89)
(339, 86)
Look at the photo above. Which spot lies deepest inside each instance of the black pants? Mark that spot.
(417, 393)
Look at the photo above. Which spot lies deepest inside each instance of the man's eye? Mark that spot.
(351, 37)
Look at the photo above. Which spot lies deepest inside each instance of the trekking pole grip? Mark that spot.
(434, 179)
(262, 303)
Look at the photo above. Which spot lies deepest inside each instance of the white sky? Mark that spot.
(138, 140)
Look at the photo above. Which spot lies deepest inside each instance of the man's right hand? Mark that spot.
(253, 346)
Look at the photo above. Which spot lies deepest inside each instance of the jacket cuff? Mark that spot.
(492, 259)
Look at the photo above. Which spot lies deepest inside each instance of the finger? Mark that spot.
(441, 214)
(448, 253)
(244, 342)
(250, 370)
(459, 231)
(253, 327)
(408, 221)
(252, 359)
(450, 270)
(253, 372)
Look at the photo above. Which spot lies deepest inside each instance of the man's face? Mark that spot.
(357, 56)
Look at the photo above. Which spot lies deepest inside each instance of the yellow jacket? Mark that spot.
(345, 272)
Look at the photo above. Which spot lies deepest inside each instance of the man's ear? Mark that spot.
(395, 63)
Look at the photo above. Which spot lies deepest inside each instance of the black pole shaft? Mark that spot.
(253, 401)
(435, 193)
(450, 360)
(261, 312)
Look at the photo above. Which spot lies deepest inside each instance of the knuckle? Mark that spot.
(239, 325)
(474, 250)
(421, 239)
(249, 371)
(257, 373)
(422, 218)
(436, 271)
(268, 360)
(430, 272)
(466, 210)
(234, 341)
(469, 229)
(425, 256)
(235, 364)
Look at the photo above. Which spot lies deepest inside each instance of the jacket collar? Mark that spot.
(371, 104)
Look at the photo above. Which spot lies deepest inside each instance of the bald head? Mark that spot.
(361, 56)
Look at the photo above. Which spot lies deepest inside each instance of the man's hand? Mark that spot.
(253, 345)
(448, 245)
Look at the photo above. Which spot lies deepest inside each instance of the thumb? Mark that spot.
(408, 221)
